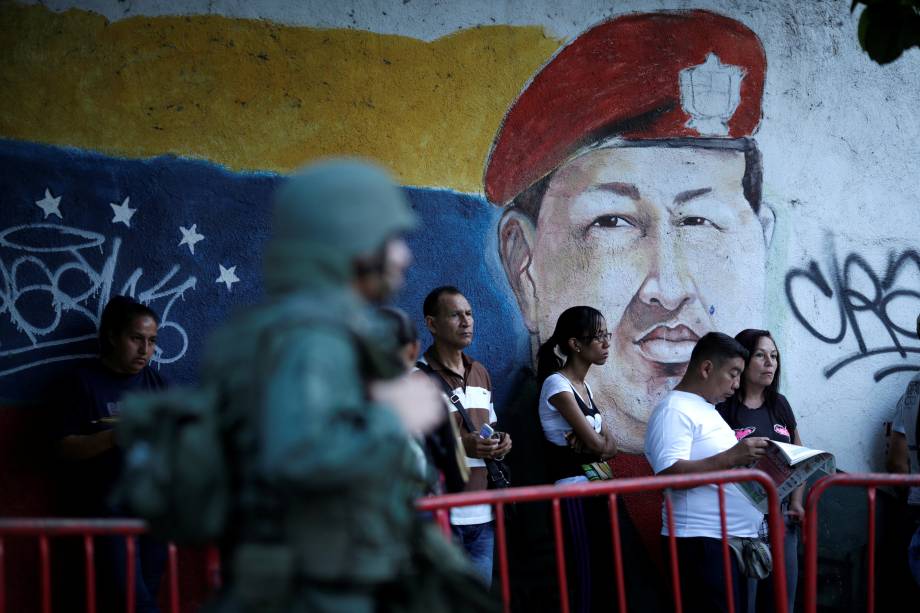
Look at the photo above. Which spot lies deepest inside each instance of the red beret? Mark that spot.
(642, 76)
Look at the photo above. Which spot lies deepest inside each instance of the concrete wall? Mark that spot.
(242, 92)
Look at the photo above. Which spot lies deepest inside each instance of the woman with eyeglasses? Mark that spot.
(758, 409)
(576, 438)
(572, 423)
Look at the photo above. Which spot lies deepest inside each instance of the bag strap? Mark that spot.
(454, 398)
(495, 472)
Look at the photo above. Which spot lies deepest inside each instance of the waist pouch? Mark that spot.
(753, 555)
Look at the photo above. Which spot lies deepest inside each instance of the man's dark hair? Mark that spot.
(398, 320)
(430, 306)
(117, 316)
(717, 348)
(530, 200)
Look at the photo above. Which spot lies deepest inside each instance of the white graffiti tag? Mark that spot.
(50, 278)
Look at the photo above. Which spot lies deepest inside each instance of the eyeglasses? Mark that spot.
(600, 337)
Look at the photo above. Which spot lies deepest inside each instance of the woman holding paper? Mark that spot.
(757, 408)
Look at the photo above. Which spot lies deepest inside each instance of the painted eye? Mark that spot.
(697, 221)
(611, 221)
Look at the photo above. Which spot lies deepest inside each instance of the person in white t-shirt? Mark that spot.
(687, 435)
(904, 457)
(449, 318)
(575, 437)
(572, 424)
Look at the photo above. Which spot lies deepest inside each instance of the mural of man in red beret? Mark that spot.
(631, 183)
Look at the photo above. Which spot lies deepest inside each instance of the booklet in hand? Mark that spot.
(789, 466)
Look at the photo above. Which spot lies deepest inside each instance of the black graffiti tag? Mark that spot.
(851, 303)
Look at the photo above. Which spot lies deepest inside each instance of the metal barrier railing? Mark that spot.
(871, 481)
(440, 506)
(46, 529)
(130, 529)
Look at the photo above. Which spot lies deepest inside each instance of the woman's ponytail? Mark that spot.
(548, 361)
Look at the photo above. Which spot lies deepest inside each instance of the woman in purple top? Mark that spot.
(89, 406)
(757, 408)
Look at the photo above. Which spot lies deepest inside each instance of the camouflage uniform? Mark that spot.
(322, 517)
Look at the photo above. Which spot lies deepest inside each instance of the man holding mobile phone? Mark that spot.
(449, 318)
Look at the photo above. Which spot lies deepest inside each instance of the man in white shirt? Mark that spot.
(449, 318)
(686, 435)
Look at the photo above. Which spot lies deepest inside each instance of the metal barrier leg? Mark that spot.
(777, 526)
(443, 518)
(90, 560)
(726, 560)
(560, 557)
(617, 552)
(503, 556)
(45, 553)
(870, 605)
(2, 578)
(810, 541)
(173, 578)
(130, 572)
(672, 549)
(214, 578)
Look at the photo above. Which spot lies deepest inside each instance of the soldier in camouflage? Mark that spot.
(322, 516)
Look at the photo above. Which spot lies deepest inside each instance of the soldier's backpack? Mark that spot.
(176, 474)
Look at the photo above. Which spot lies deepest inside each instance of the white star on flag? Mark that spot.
(228, 276)
(190, 236)
(123, 212)
(49, 204)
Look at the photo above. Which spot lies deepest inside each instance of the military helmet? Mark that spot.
(327, 214)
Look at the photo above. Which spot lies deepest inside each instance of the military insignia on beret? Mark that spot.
(710, 93)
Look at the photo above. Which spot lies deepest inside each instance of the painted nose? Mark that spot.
(666, 285)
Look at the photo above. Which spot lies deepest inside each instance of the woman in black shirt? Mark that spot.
(757, 408)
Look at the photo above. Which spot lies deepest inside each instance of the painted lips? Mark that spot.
(669, 345)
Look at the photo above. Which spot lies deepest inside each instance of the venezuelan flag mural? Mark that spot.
(94, 208)
(683, 171)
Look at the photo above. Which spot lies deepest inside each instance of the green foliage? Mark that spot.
(887, 28)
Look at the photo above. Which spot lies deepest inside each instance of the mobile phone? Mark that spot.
(486, 431)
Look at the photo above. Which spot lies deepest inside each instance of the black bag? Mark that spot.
(176, 473)
(499, 474)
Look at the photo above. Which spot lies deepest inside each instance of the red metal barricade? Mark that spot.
(440, 506)
(871, 481)
(47, 529)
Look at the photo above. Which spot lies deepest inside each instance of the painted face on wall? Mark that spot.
(663, 241)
